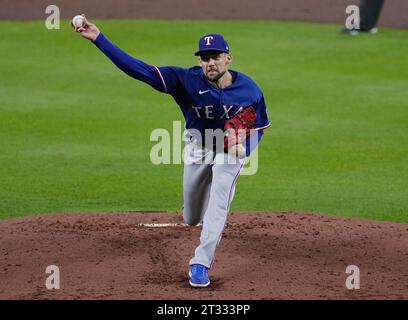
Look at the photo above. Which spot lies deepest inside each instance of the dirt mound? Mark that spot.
(261, 256)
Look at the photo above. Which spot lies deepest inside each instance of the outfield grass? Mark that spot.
(74, 130)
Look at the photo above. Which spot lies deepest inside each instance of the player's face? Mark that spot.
(215, 65)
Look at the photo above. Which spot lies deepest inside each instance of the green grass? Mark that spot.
(74, 130)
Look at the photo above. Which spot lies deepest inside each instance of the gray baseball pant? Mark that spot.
(208, 187)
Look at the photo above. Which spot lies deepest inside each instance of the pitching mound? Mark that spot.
(261, 256)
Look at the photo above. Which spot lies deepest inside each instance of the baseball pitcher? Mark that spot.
(212, 98)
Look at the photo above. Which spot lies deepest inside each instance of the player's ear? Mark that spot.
(229, 58)
(200, 62)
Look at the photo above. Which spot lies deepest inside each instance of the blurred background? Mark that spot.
(395, 12)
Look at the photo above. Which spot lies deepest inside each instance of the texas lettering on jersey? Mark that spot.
(208, 112)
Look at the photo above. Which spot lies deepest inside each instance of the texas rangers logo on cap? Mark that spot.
(212, 42)
(208, 40)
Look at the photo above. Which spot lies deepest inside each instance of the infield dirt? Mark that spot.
(261, 256)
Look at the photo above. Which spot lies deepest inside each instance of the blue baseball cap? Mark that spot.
(212, 42)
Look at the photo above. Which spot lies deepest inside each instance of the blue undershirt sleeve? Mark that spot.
(131, 66)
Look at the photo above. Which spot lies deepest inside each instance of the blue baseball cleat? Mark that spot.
(198, 276)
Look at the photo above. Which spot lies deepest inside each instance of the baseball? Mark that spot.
(78, 21)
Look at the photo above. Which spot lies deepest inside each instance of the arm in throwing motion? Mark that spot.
(133, 67)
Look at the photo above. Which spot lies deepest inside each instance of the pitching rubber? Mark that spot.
(162, 225)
